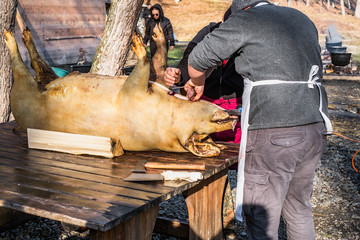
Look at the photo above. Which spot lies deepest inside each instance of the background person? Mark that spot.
(284, 108)
(147, 13)
(157, 17)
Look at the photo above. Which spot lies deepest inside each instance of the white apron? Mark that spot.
(248, 86)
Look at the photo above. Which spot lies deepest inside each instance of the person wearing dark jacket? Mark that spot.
(157, 17)
(224, 86)
(147, 13)
(284, 119)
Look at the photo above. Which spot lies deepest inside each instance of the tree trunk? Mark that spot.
(342, 7)
(114, 46)
(7, 21)
(357, 9)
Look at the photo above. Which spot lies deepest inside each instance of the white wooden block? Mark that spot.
(69, 142)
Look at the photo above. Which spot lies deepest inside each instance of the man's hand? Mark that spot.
(172, 76)
(193, 92)
(171, 47)
(195, 86)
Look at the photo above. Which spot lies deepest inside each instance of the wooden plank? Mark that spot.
(210, 191)
(80, 160)
(70, 143)
(114, 171)
(73, 211)
(138, 227)
(10, 219)
(45, 195)
(100, 188)
(74, 191)
(48, 10)
(59, 211)
(74, 31)
(129, 159)
(89, 176)
(57, 3)
(63, 19)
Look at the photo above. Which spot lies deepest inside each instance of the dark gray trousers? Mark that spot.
(279, 172)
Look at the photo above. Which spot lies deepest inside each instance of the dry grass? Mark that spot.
(189, 16)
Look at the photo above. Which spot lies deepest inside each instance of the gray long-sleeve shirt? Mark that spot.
(270, 42)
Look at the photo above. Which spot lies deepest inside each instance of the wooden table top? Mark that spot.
(87, 190)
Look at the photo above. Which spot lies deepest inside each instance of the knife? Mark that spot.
(141, 177)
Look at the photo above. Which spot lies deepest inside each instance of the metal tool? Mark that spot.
(141, 177)
(176, 87)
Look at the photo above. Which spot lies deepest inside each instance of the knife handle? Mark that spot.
(191, 166)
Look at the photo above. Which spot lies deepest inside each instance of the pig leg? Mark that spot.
(138, 80)
(159, 60)
(44, 73)
(22, 76)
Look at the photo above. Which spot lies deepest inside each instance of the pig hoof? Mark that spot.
(202, 145)
(138, 46)
(116, 148)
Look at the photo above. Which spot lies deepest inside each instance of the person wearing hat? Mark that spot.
(284, 119)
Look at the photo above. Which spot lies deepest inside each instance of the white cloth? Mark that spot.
(248, 86)
(182, 175)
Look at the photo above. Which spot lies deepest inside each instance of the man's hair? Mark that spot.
(241, 4)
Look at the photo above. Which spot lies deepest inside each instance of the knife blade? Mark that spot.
(141, 177)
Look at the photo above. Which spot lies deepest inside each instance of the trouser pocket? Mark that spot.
(256, 194)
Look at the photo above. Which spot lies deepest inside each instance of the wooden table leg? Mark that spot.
(139, 227)
(204, 204)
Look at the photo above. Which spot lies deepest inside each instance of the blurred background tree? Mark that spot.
(7, 21)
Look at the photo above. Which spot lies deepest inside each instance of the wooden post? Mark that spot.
(10, 218)
(139, 227)
(204, 204)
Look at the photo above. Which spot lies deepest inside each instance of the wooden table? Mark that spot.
(89, 191)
